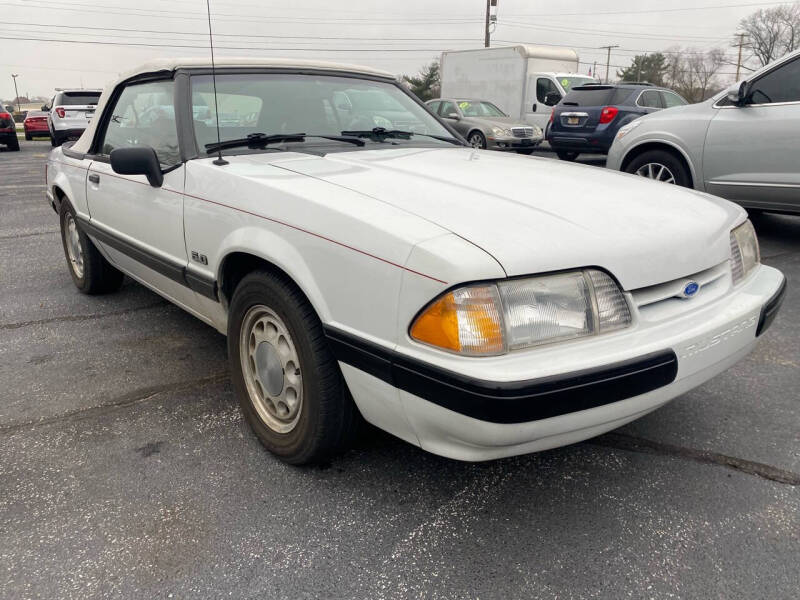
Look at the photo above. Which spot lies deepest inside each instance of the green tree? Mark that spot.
(646, 67)
(426, 84)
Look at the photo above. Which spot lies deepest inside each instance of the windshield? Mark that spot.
(569, 82)
(480, 109)
(273, 104)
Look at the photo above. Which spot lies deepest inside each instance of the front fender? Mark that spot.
(274, 249)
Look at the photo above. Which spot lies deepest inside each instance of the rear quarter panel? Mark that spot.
(66, 176)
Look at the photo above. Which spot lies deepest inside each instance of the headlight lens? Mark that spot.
(490, 319)
(745, 253)
(626, 129)
(500, 132)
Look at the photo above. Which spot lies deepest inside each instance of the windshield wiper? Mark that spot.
(379, 134)
(259, 140)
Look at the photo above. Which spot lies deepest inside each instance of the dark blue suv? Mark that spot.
(589, 116)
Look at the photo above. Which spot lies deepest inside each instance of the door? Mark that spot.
(447, 110)
(752, 152)
(537, 111)
(141, 226)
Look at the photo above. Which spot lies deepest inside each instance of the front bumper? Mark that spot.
(485, 410)
(512, 143)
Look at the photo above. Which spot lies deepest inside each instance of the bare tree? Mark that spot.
(694, 73)
(770, 33)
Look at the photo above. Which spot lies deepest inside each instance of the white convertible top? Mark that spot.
(172, 64)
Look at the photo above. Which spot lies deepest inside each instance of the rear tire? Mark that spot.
(568, 156)
(660, 165)
(289, 384)
(28, 137)
(91, 272)
(56, 140)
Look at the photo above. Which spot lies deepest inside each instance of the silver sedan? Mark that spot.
(486, 126)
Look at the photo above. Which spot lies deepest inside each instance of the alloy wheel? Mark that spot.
(656, 171)
(271, 368)
(74, 250)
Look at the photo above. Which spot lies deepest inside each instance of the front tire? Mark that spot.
(660, 165)
(477, 140)
(289, 385)
(91, 272)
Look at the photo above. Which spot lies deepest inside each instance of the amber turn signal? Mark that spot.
(467, 321)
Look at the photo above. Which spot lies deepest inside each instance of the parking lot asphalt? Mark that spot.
(126, 469)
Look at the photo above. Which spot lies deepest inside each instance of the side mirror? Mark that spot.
(452, 115)
(45, 108)
(552, 98)
(138, 160)
(737, 93)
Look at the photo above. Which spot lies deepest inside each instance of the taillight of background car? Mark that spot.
(608, 114)
(61, 112)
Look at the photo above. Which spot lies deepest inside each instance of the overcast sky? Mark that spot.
(396, 35)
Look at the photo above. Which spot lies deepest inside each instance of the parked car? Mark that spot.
(484, 125)
(589, 116)
(36, 125)
(479, 304)
(742, 144)
(70, 112)
(8, 131)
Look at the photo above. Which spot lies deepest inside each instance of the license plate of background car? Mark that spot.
(572, 120)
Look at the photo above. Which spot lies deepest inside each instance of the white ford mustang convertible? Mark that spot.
(364, 262)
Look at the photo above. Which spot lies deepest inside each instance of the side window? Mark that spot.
(447, 108)
(434, 107)
(144, 115)
(779, 85)
(650, 99)
(543, 87)
(671, 99)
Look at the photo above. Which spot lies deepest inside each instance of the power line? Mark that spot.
(654, 10)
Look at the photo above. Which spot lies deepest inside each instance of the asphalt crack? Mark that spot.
(135, 397)
(621, 441)
(71, 318)
(17, 236)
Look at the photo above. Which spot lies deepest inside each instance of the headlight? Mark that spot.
(494, 318)
(500, 132)
(626, 129)
(537, 131)
(744, 251)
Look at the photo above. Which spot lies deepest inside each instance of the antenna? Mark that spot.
(219, 161)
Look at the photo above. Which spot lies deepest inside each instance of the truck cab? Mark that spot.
(545, 90)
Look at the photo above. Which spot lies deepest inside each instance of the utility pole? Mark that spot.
(608, 58)
(16, 92)
(491, 19)
(739, 62)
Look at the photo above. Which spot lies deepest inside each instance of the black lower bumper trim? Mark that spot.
(174, 271)
(508, 402)
(770, 309)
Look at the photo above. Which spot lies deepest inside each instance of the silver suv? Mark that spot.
(70, 113)
(743, 144)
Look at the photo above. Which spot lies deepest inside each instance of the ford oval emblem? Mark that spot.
(690, 289)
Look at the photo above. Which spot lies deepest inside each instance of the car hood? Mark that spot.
(536, 215)
(495, 121)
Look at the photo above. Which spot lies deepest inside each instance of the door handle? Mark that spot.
(534, 107)
(94, 178)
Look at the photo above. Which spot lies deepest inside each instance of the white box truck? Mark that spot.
(517, 79)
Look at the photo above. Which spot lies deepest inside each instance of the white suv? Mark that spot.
(70, 113)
